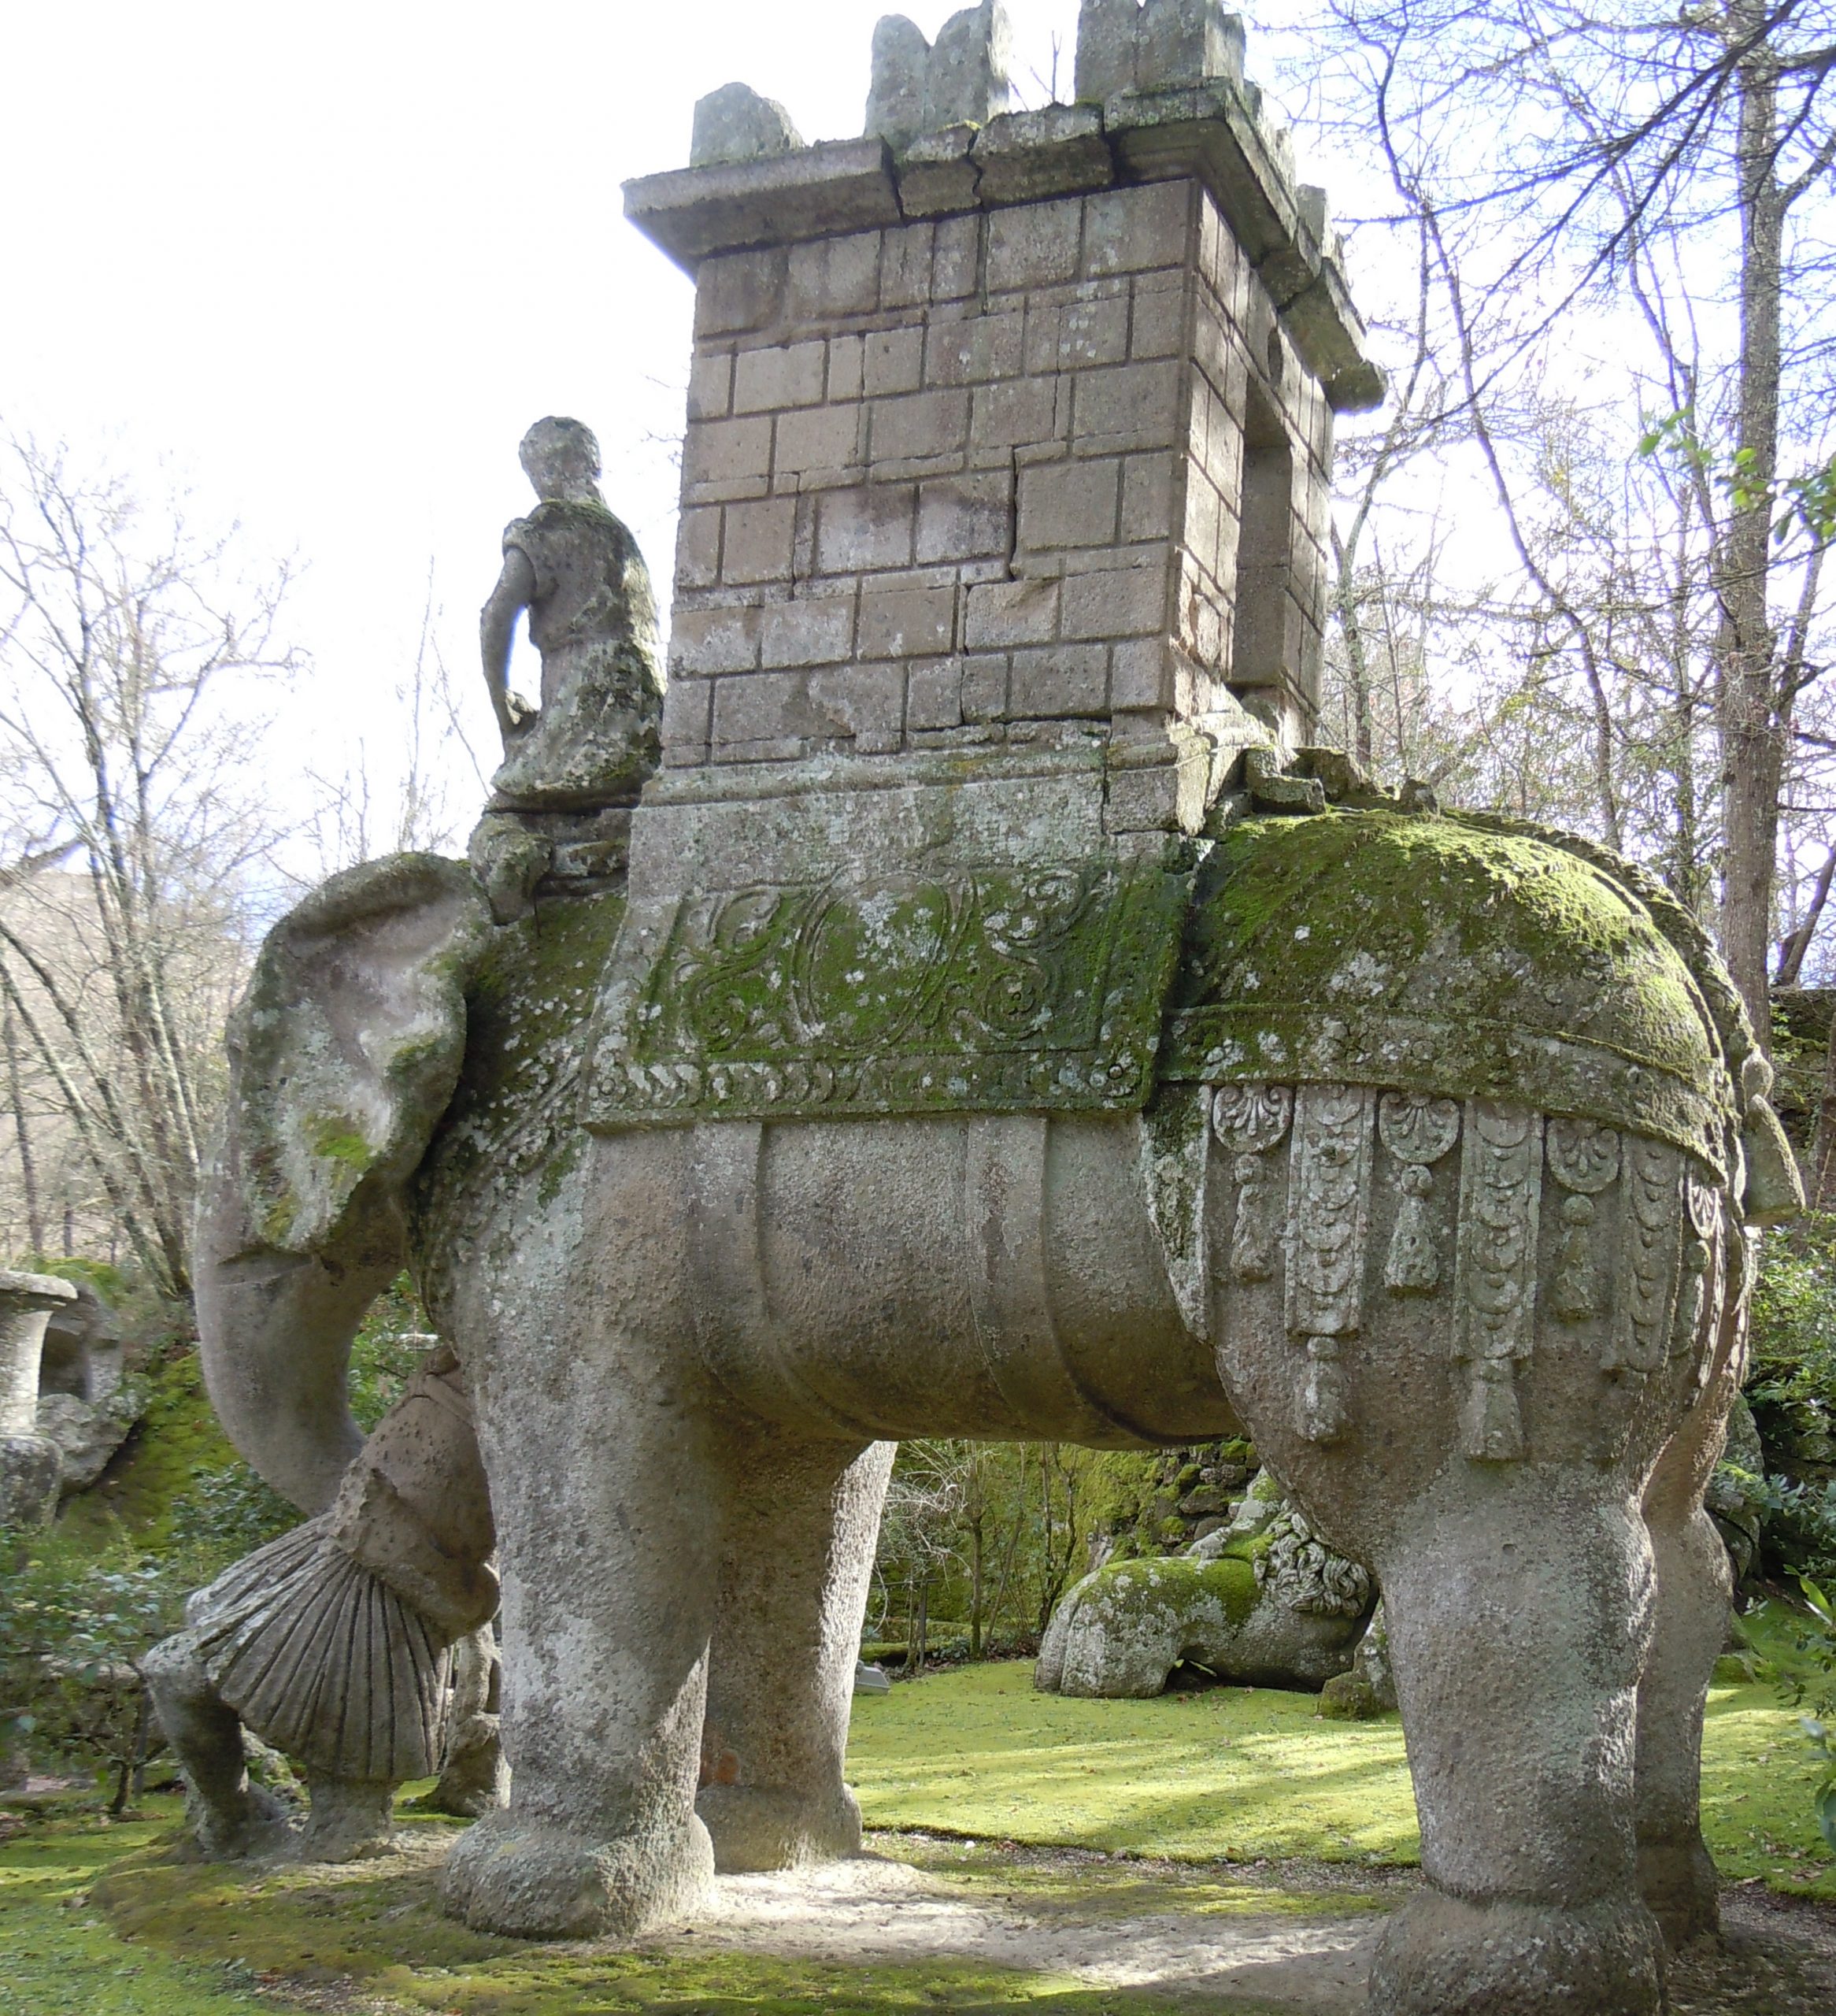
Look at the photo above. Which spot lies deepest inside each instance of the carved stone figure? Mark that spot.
(334, 1643)
(1260, 1602)
(999, 1027)
(577, 572)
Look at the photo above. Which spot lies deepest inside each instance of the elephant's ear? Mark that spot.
(347, 1047)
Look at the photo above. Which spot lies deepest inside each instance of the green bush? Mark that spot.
(71, 1626)
(1791, 1383)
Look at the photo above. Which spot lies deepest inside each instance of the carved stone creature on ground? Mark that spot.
(1001, 1031)
(334, 1643)
(1260, 1602)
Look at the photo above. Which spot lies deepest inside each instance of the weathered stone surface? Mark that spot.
(735, 124)
(1262, 1602)
(1484, 1319)
(333, 1642)
(577, 573)
(30, 1464)
(31, 1470)
(86, 1434)
(920, 87)
(1123, 45)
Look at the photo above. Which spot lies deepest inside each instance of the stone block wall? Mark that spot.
(1044, 472)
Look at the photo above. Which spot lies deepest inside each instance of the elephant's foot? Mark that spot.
(1443, 1956)
(1678, 1881)
(531, 1880)
(351, 1819)
(760, 1827)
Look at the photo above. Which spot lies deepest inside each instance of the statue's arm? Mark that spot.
(496, 630)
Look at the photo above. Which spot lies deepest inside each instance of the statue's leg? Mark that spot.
(1695, 1587)
(351, 1818)
(802, 1518)
(475, 1779)
(605, 1490)
(1518, 1601)
(230, 1818)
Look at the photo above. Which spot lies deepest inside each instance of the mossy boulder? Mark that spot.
(1261, 1602)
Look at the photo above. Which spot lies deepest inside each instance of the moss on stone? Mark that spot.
(333, 1136)
(1428, 953)
(528, 1014)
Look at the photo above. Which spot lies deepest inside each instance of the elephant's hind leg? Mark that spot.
(801, 1519)
(1518, 1620)
(1695, 1585)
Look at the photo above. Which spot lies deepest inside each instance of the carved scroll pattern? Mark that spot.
(1418, 1130)
(1329, 1217)
(1699, 1299)
(1495, 1271)
(1584, 1159)
(1250, 1120)
(1652, 1233)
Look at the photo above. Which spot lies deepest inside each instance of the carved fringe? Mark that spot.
(1418, 1131)
(1495, 1266)
(1250, 1120)
(1584, 1159)
(1329, 1215)
(325, 1662)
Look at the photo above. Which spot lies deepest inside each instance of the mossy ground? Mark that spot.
(1190, 1805)
(1247, 1774)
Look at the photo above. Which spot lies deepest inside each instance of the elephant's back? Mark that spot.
(1459, 956)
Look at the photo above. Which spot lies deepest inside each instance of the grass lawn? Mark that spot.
(102, 1921)
(1246, 1774)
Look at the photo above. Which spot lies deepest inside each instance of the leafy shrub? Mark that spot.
(72, 1627)
(1792, 1385)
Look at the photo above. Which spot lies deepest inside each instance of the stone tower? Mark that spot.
(1004, 502)
(1006, 427)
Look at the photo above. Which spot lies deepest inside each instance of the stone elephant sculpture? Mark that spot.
(1443, 1194)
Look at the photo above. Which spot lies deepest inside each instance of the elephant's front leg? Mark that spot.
(801, 1519)
(1519, 1606)
(605, 1485)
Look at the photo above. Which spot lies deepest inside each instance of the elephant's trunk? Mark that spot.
(343, 1055)
(275, 1333)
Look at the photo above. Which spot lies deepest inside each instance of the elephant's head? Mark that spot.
(343, 1055)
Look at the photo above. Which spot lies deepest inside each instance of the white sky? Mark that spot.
(324, 265)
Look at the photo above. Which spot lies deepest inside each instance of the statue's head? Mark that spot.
(560, 458)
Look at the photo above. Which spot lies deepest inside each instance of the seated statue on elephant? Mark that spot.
(576, 571)
(335, 1643)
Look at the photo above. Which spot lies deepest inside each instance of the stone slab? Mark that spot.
(836, 187)
(984, 989)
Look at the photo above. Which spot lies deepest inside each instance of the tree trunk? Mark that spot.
(28, 1173)
(1754, 714)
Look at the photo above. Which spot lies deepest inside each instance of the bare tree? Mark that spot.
(1631, 203)
(127, 644)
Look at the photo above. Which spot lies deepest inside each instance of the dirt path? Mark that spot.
(1287, 1937)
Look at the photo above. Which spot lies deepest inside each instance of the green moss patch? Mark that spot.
(374, 1931)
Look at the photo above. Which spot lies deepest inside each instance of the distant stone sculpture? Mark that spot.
(83, 1406)
(1260, 1602)
(30, 1464)
(334, 1643)
(577, 572)
(1005, 1025)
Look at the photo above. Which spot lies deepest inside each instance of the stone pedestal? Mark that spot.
(31, 1466)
